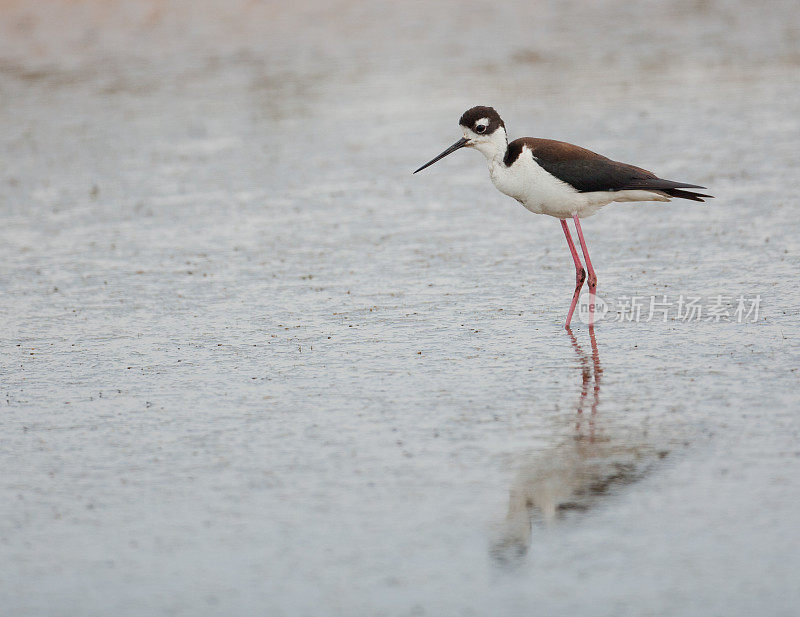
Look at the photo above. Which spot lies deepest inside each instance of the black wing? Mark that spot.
(588, 171)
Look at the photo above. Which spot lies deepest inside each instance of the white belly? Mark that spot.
(542, 193)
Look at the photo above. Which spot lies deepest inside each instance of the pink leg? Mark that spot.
(580, 273)
(592, 275)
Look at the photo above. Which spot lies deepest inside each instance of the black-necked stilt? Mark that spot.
(561, 180)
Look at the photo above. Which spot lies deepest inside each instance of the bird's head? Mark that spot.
(483, 130)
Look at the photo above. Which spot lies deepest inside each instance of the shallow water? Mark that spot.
(252, 366)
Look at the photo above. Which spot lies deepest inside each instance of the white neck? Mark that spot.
(493, 146)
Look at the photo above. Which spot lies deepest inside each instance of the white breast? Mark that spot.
(537, 190)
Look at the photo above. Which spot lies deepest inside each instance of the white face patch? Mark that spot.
(484, 122)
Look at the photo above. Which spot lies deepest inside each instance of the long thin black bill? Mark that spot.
(459, 144)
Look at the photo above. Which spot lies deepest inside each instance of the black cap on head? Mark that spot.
(492, 121)
(471, 116)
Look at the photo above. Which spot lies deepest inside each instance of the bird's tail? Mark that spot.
(670, 188)
(687, 194)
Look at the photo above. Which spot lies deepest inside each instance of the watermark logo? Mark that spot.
(601, 307)
(685, 307)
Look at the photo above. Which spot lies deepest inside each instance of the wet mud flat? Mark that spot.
(251, 365)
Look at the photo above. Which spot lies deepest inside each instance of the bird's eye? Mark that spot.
(480, 128)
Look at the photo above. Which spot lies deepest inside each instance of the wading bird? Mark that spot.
(561, 180)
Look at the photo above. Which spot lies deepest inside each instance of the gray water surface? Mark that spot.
(252, 366)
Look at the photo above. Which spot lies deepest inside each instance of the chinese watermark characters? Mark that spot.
(685, 308)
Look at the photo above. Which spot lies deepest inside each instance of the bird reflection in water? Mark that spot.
(592, 460)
